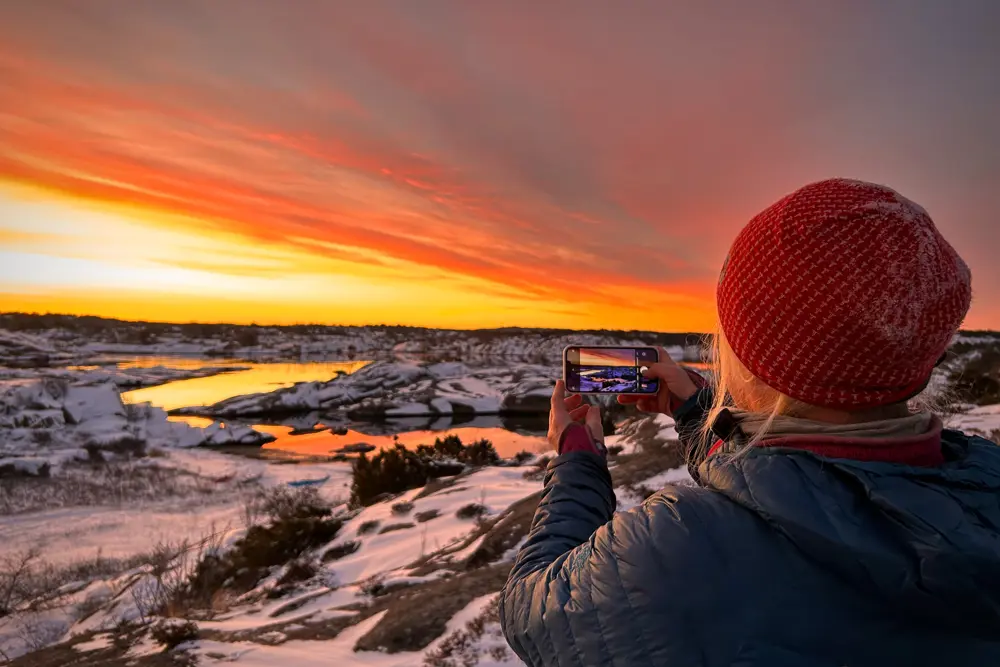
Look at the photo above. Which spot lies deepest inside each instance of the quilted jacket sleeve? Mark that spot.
(551, 608)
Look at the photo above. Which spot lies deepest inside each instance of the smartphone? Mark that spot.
(609, 369)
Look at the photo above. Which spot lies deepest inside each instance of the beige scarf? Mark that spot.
(752, 422)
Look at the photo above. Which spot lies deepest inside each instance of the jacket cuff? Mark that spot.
(576, 438)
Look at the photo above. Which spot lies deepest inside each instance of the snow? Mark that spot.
(97, 643)
(54, 422)
(984, 419)
(339, 651)
(496, 488)
(77, 533)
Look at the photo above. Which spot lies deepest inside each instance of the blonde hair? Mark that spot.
(735, 386)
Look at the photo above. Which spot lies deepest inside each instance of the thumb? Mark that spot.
(593, 422)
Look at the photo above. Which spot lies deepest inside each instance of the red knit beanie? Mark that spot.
(843, 295)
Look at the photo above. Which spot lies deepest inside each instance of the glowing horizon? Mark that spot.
(343, 163)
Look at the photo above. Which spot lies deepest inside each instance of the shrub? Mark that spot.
(393, 471)
(368, 527)
(978, 381)
(372, 586)
(341, 550)
(522, 457)
(298, 570)
(299, 521)
(172, 632)
(399, 509)
(479, 453)
(472, 511)
(450, 446)
(423, 517)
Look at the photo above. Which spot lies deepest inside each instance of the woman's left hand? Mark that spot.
(567, 410)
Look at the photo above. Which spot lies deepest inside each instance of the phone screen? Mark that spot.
(609, 370)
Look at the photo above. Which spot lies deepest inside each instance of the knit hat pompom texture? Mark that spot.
(842, 294)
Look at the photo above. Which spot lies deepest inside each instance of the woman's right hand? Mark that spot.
(676, 386)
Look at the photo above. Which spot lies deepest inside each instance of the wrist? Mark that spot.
(577, 438)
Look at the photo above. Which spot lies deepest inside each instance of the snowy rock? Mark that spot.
(25, 467)
(234, 434)
(48, 423)
(99, 401)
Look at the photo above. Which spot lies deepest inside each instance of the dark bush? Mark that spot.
(450, 446)
(472, 511)
(978, 381)
(341, 550)
(173, 632)
(299, 570)
(400, 509)
(479, 453)
(522, 457)
(248, 337)
(367, 527)
(393, 471)
(299, 522)
(423, 517)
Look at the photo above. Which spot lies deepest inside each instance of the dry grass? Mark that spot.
(99, 484)
(116, 655)
(419, 615)
(652, 459)
(465, 646)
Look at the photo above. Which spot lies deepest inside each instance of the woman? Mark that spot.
(830, 525)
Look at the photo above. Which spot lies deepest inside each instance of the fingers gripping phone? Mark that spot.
(609, 370)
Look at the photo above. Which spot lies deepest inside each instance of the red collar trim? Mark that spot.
(920, 450)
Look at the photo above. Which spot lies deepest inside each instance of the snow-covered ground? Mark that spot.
(83, 473)
(415, 540)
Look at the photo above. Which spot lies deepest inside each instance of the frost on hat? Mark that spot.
(843, 294)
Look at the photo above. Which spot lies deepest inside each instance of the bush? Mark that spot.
(472, 511)
(399, 509)
(172, 632)
(393, 471)
(298, 522)
(978, 381)
(479, 453)
(367, 527)
(423, 517)
(341, 550)
(522, 457)
(298, 570)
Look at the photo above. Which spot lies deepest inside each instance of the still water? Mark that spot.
(245, 378)
(326, 443)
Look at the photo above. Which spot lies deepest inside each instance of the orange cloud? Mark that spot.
(586, 169)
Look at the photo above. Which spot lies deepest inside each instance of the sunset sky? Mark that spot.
(591, 356)
(566, 163)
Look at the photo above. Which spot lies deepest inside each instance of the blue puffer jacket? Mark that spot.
(780, 558)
